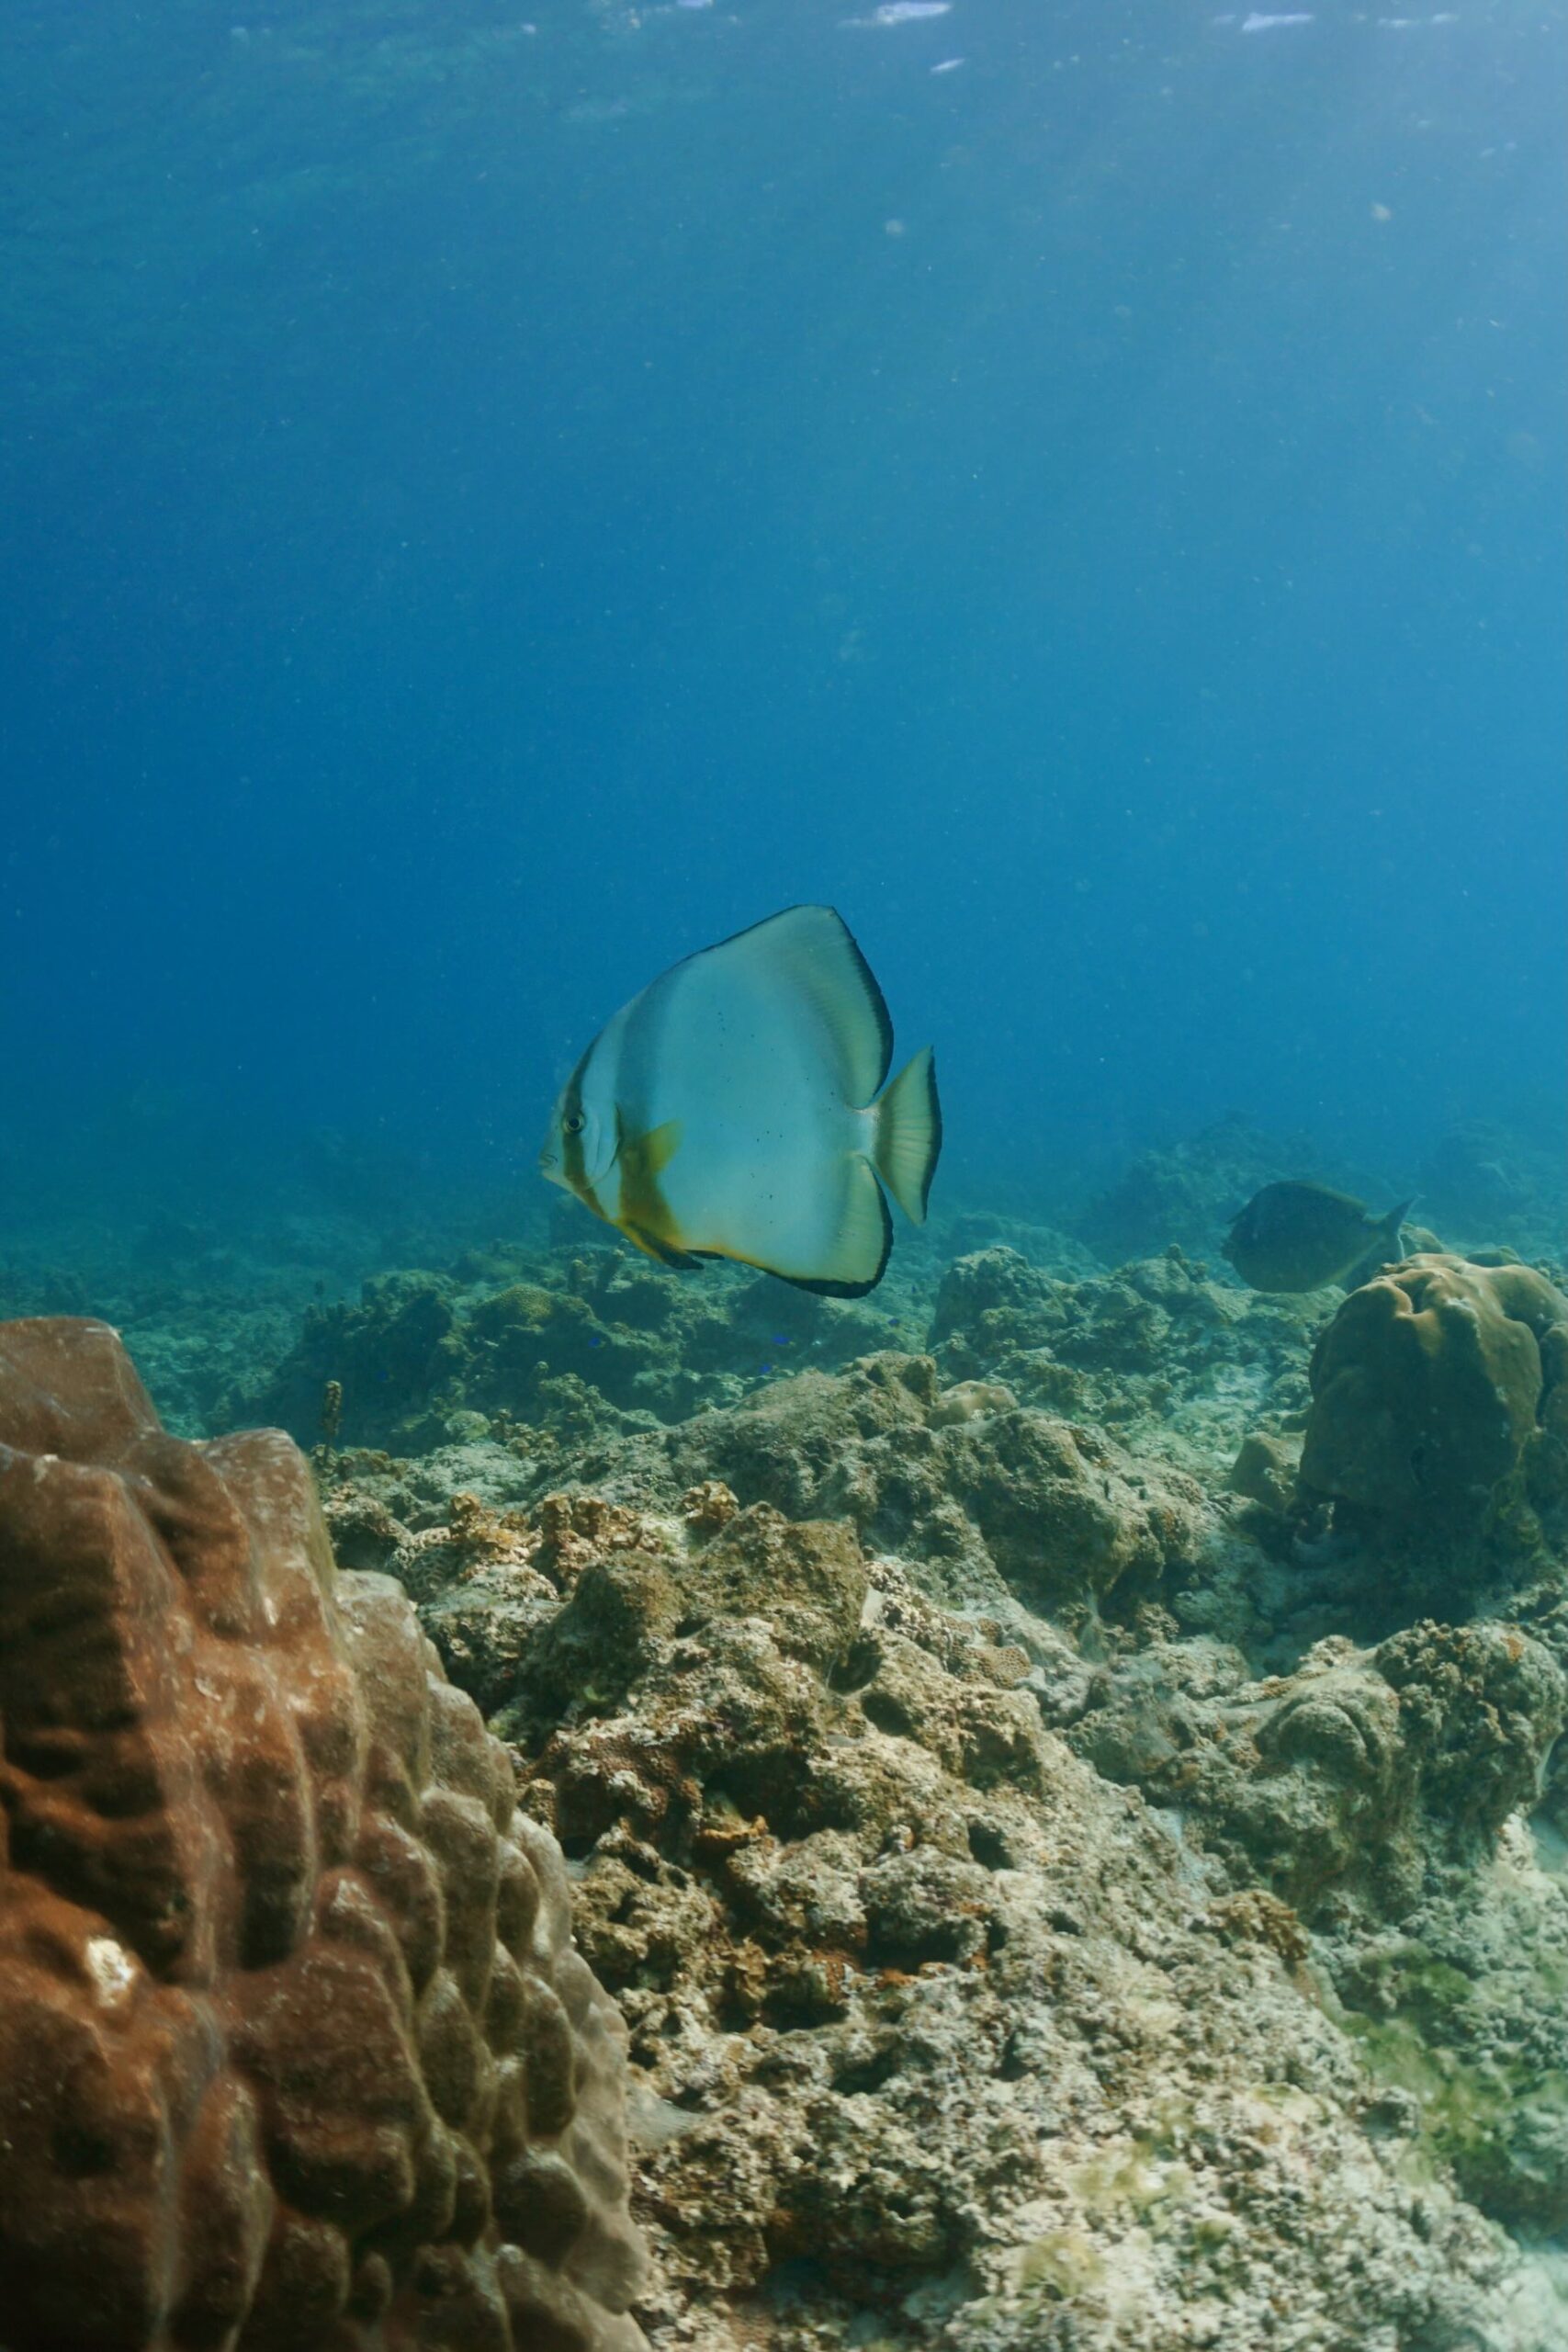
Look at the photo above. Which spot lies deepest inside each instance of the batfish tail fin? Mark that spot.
(908, 1135)
(1390, 1226)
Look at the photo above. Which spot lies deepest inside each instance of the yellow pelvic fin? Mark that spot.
(644, 1214)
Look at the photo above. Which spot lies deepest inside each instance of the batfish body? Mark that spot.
(738, 1109)
(1298, 1236)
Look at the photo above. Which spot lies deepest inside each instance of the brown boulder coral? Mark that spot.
(294, 2050)
(1432, 1386)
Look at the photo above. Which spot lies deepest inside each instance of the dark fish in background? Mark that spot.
(1298, 1236)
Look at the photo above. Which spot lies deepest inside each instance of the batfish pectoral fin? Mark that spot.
(645, 1216)
(655, 1150)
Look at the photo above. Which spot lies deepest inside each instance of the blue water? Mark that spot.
(491, 505)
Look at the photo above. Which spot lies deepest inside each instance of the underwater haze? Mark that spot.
(918, 644)
(494, 504)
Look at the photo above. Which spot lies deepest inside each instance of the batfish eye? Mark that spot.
(574, 1125)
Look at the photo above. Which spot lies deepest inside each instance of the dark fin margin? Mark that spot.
(884, 1028)
(874, 997)
(846, 1290)
(681, 1259)
(936, 1135)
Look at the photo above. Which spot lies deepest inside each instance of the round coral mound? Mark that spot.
(1431, 1385)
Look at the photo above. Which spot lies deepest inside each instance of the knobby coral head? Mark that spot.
(293, 2042)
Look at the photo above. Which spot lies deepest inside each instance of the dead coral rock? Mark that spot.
(1065, 1514)
(972, 1400)
(484, 1621)
(577, 1530)
(293, 2041)
(364, 1533)
(1350, 1785)
(1264, 1472)
(590, 1653)
(708, 1507)
(1432, 1383)
(814, 1446)
(807, 1580)
(985, 1296)
(986, 1498)
(915, 1997)
(488, 1592)
(1479, 1707)
(395, 1353)
(1155, 1344)
(591, 1343)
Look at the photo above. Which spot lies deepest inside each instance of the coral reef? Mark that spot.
(1343, 1787)
(1484, 1181)
(295, 2049)
(994, 1500)
(1157, 1342)
(1071, 1882)
(1189, 1191)
(419, 1348)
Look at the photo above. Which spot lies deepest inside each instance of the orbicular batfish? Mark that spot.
(738, 1108)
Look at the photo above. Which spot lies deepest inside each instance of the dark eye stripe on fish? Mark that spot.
(574, 1149)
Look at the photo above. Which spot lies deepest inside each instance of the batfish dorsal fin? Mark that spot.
(811, 952)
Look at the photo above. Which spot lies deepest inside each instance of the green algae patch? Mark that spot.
(1500, 2124)
(1063, 2264)
(1129, 2177)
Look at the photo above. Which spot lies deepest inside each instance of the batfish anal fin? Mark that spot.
(863, 1247)
(825, 1289)
(865, 1244)
(652, 1246)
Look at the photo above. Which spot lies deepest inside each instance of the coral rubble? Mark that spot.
(927, 2014)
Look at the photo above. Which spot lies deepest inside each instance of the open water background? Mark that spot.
(491, 502)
